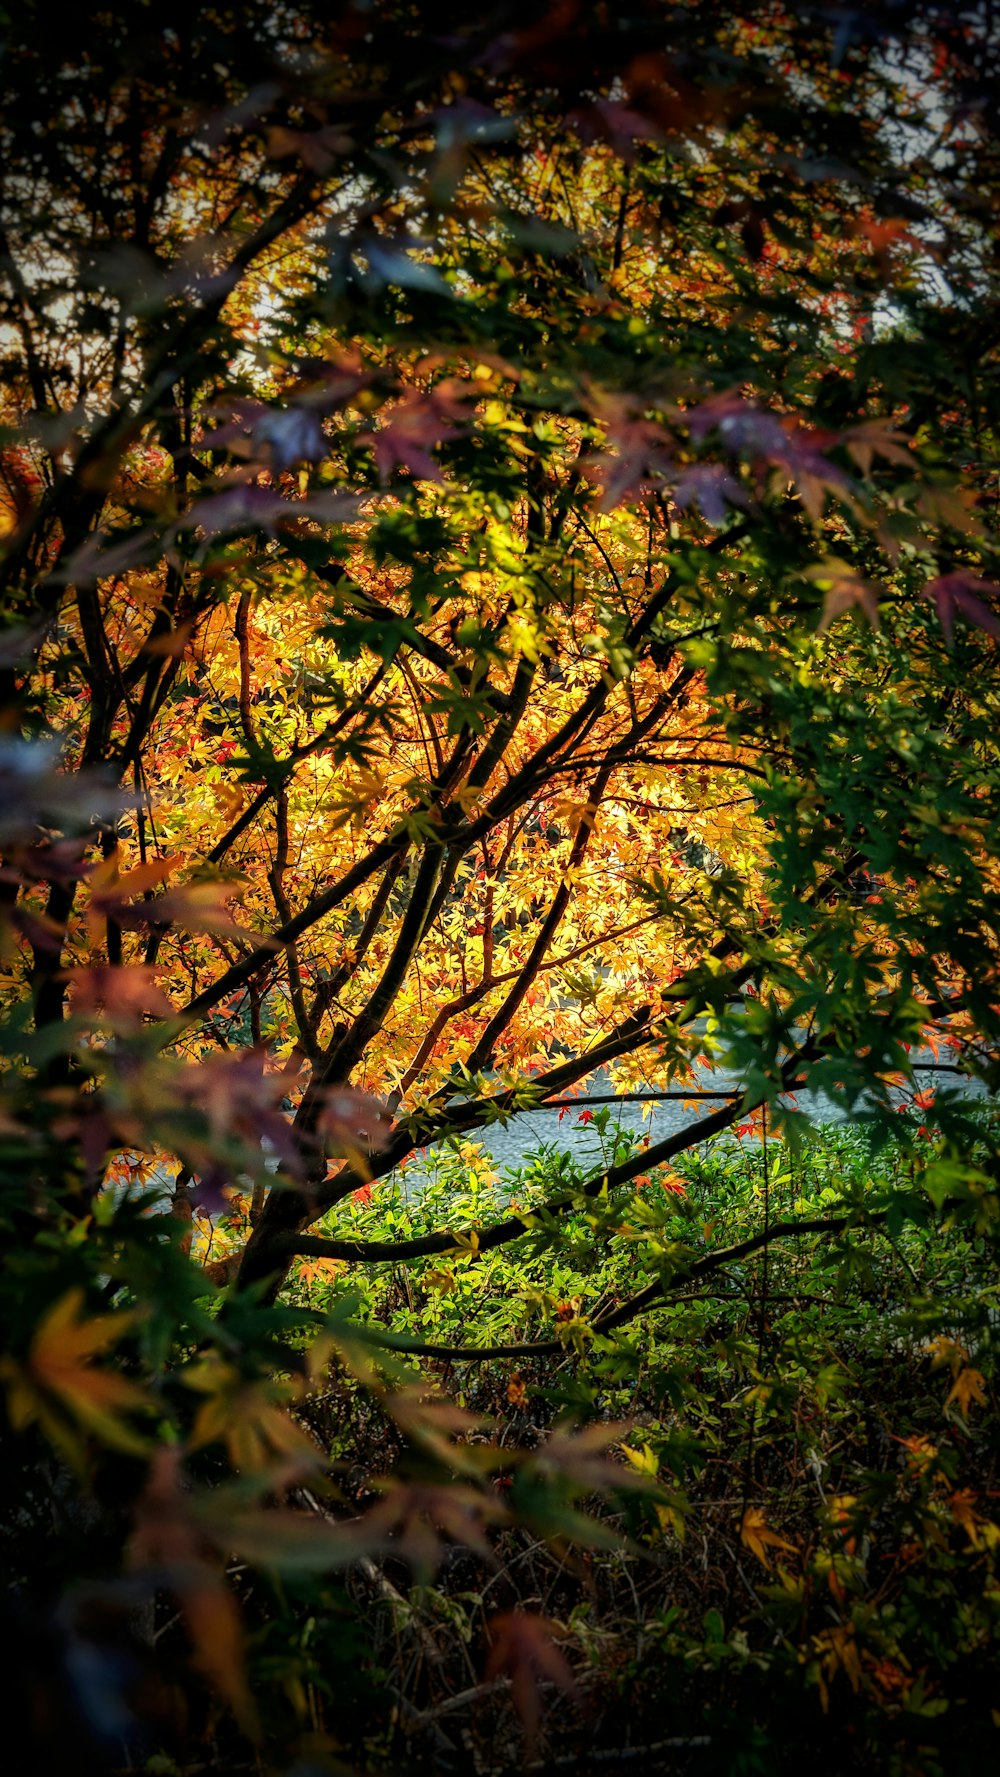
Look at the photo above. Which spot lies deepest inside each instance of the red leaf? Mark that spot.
(524, 1651)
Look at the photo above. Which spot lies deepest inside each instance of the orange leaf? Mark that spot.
(969, 1386)
(754, 1533)
(60, 1385)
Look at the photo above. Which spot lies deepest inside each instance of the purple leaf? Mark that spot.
(711, 488)
(956, 595)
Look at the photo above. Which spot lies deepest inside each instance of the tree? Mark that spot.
(499, 571)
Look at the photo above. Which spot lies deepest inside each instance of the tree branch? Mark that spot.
(646, 1298)
(502, 1233)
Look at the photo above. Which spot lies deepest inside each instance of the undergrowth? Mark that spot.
(811, 1569)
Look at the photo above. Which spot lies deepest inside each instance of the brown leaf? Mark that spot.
(437, 1425)
(958, 595)
(579, 1457)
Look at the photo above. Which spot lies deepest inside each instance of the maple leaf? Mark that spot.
(98, 559)
(969, 1386)
(874, 438)
(943, 1350)
(355, 1124)
(577, 1458)
(169, 1542)
(756, 1536)
(126, 996)
(308, 1270)
(251, 508)
(316, 149)
(249, 1417)
(286, 1541)
(60, 1386)
(618, 124)
(644, 1461)
(803, 459)
(843, 590)
(669, 1512)
(414, 1518)
(417, 424)
(742, 425)
(242, 508)
(673, 1183)
(957, 595)
(523, 1649)
(921, 1453)
(797, 450)
(280, 436)
(290, 435)
(885, 232)
(711, 488)
(237, 1097)
(436, 1425)
(112, 888)
(197, 906)
(640, 454)
(838, 1652)
(962, 1506)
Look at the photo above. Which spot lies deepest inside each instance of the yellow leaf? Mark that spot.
(444, 1281)
(755, 1534)
(962, 1506)
(946, 1351)
(466, 1242)
(838, 1652)
(644, 1460)
(248, 1417)
(307, 1270)
(58, 1384)
(968, 1386)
